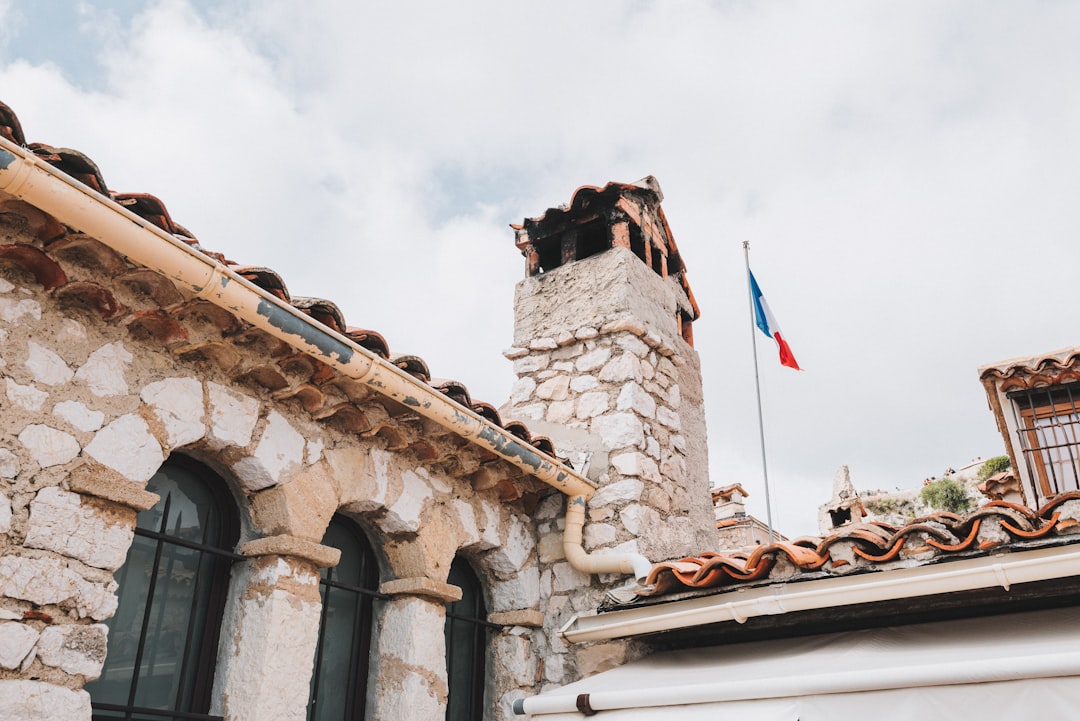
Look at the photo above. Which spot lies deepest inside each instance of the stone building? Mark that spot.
(223, 501)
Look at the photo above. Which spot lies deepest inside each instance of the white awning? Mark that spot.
(1009, 666)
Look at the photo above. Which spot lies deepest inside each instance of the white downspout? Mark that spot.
(597, 562)
(25, 176)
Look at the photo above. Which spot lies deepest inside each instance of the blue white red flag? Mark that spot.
(766, 321)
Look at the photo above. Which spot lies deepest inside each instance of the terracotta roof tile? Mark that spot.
(877, 546)
(197, 328)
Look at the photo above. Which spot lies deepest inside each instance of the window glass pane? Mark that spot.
(466, 645)
(162, 640)
(339, 683)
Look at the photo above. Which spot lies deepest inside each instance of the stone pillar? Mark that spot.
(265, 666)
(412, 681)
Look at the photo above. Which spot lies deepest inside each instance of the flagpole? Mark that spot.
(757, 388)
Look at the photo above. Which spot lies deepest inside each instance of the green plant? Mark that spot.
(945, 494)
(997, 464)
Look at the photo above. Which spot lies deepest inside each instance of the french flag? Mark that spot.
(766, 321)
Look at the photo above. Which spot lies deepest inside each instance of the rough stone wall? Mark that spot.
(90, 411)
(603, 370)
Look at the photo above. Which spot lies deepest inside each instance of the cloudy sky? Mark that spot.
(906, 173)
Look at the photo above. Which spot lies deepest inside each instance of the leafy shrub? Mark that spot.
(997, 464)
(945, 494)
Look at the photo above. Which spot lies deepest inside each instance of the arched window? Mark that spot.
(339, 683)
(466, 645)
(163, 639)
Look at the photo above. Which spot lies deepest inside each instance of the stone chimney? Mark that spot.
(603, 352)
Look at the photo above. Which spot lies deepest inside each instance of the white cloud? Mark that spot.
(904, 172)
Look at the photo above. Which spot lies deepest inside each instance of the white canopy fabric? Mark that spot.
(1011, 666)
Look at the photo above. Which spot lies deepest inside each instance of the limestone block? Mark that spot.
(568, 352)
(466, 518)
(302, 508)
(669, 418)
(522, 390)
(562, 366)
(652, 448)
(74, 649)
(103, 371)
(565, 577)
(515, 352)
(633, 397)
(593, 404)
(622, 368)
(554, 389)
(593, 359)
(13, 311)
(543, 344)
(292, 547)
(178, 404)
(555, 669)
(79, 416)
(48, 446)
(599, 534)
(514, 654)
(61, 521)
(586, 333)
(639, 519)
(46, 581)
(561, 411)
(232, 417)
(403, 514)
(532, 412)
(489, 527)
(26, 397)
(5, 514)
(9, 464)
(620, 430)
(674, 397)
(41, 701)
(526, 618)
(6, 286)
(313, 453)
(518, 547)
(363, 478)
(279, 453)
(632, 344)
(47, 366)
(127, 446)
(550, 547)
(531, 363)
(521, 591)
(626, 490)
(421, 586)
(16, 641)
(581, 384)
(637, 464)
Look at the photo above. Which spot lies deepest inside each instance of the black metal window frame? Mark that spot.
(465, 667)
(1048, 430)
(362, 626)
(219, 582)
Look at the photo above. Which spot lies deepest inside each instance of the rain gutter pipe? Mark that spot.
(999, 569)
(946, 673)
(25, 176)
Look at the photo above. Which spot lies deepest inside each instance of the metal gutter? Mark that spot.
(998, 569)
